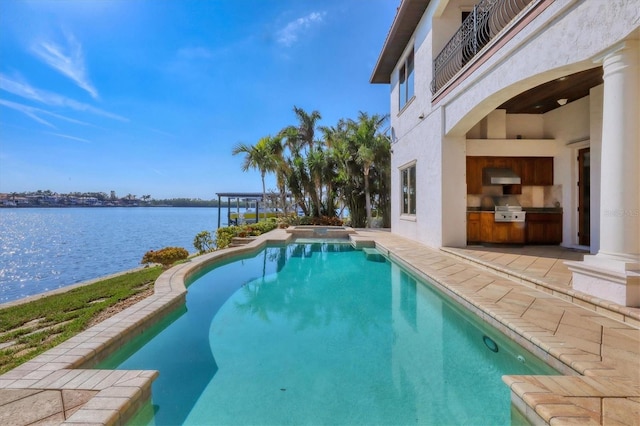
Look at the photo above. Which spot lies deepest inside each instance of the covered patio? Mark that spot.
(238, 199)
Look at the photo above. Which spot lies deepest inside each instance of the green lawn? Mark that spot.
(32, 328)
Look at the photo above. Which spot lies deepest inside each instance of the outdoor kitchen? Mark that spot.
(512, 200)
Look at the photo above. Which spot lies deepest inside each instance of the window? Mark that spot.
(408, 179)
(406, 80)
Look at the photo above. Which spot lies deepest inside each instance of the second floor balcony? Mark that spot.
(488, 21)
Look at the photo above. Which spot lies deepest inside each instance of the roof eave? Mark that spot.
(404, 24)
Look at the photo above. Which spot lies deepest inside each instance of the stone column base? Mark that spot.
(608, 277)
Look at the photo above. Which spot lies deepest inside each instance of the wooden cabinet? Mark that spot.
(527, 171)
(539, 228)
(473, 227)
(474, 174)
(508, 232)
(543, 171)
(537, 171)
(544, 228)
(532, 171)
(486, 227)
(491, 231)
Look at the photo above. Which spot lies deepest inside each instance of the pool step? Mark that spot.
(373, 255)
(241, 241)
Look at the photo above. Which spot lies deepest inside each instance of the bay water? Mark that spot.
(43, 249)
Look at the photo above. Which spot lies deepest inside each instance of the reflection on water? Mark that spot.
(44, 249)
(317, 334)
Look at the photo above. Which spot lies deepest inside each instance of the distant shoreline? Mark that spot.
(97, 207)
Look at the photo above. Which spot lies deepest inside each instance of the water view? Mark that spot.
(48, 248)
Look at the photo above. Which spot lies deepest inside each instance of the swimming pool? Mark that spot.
(322, 334)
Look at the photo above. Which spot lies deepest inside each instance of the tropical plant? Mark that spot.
(203, 242)
(369, 142)
(305, 161)
(349, 162)
(225, 235)
(166, 256)
(256, 157)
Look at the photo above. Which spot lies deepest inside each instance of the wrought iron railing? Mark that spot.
(486, 20)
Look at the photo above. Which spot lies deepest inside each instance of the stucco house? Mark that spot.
(518, 121)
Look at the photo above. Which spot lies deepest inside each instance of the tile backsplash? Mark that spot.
(532, 196)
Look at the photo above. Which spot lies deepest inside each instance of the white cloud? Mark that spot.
(23, 89)
(27, 110)
(290, 33)
(68, 60)
(69, 137)
(33, 113)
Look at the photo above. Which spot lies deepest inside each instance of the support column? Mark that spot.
(614, 272)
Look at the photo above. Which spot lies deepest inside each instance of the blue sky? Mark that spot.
(149, 97)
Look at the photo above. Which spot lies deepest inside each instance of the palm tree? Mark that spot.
(256, 157)
(369, 141)
(279, 166)
(316, 164)
(301, 142)
(302, 135)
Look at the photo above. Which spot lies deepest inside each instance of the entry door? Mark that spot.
(584, 197)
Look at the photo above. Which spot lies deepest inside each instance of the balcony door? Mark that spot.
(584, 197)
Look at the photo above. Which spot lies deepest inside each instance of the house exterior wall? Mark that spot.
(414, 141)
(565, 38)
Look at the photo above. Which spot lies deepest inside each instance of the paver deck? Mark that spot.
(594, 343)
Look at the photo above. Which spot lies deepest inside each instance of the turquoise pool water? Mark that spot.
(322, 334)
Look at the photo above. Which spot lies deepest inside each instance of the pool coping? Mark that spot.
(593, 389)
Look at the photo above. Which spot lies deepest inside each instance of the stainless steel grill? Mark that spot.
(507, 209)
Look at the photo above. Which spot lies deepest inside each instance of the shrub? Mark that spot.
(323, 220)
(166, 256)
(203, 242)
(225, 235)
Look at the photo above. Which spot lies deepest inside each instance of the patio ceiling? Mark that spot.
(544, 97)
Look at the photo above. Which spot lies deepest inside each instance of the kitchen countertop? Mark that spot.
(526, 209)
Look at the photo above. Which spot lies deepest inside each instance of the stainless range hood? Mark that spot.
(499, 176)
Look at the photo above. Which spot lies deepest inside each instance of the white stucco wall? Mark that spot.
(528, 126)
(422, 146)
(414, 139)
(569, 126)
(448, 19)
(564, 39)
(511, 148)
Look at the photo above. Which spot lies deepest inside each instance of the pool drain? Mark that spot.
(491, 344)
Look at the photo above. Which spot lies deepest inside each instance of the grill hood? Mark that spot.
(499, 176)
